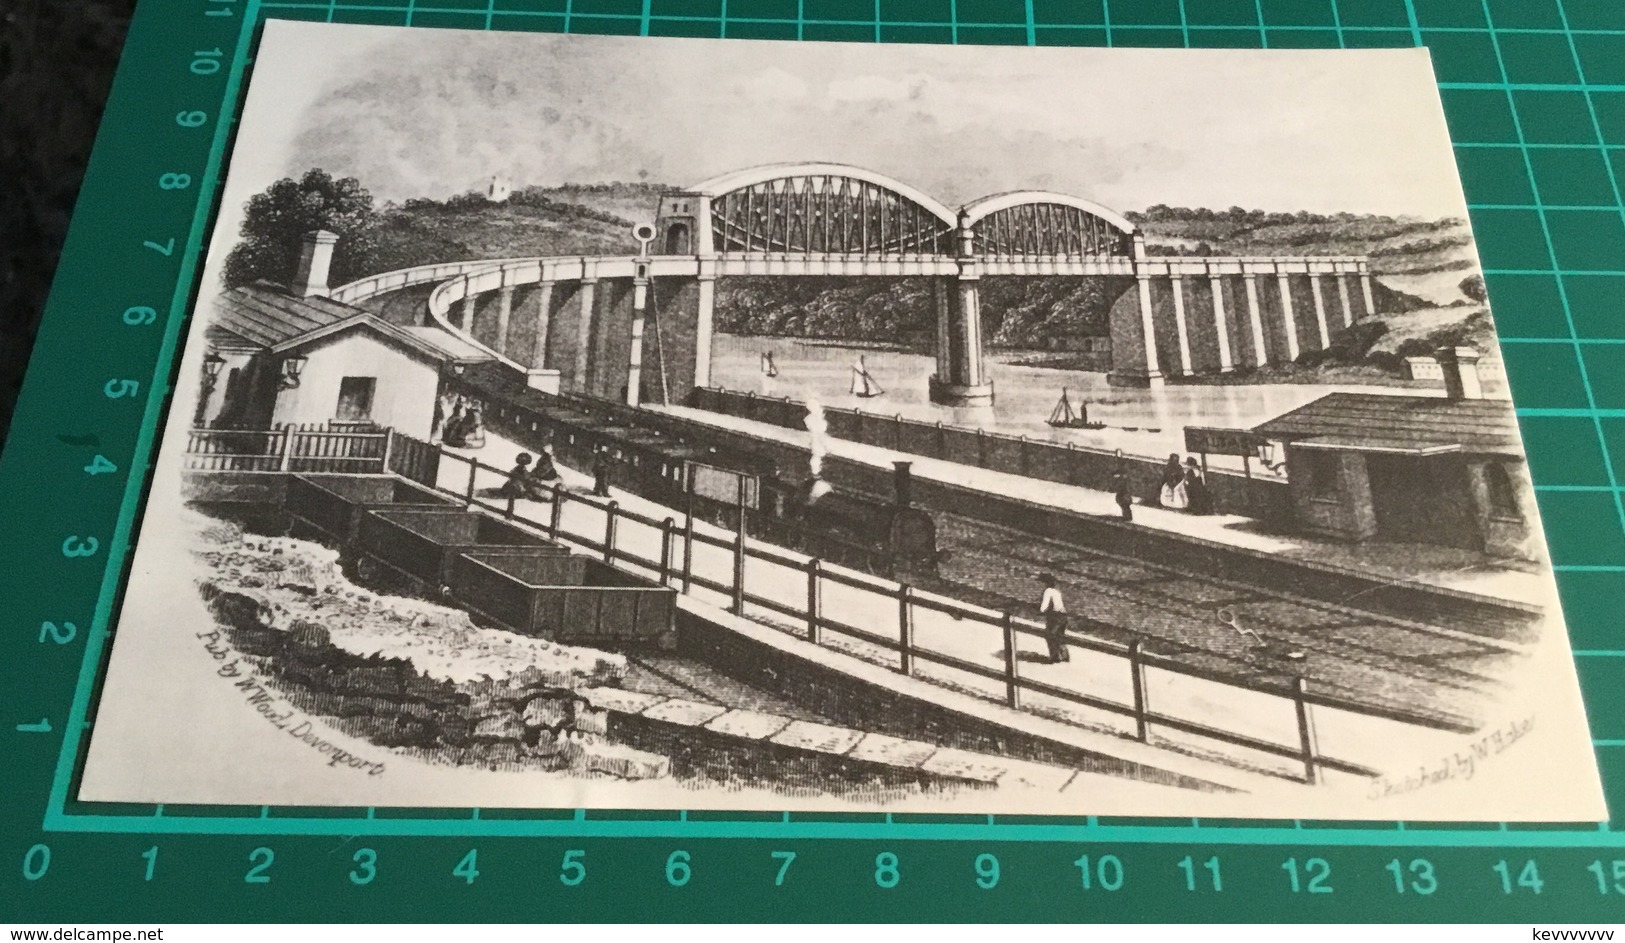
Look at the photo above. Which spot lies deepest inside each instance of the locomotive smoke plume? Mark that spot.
(819, 427)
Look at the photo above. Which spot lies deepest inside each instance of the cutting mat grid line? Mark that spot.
(1554, 261)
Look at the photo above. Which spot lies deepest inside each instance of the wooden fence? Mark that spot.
(329, 448)
(674, 567)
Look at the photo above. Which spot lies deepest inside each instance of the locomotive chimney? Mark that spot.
(1460, 368)
(903, 483)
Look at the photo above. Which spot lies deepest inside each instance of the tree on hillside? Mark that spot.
(276, 219)
(1473, 287)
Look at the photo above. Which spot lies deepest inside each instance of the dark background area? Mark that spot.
(56, 62)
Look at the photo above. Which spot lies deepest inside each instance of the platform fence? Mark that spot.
(675, 567)
(350, 447)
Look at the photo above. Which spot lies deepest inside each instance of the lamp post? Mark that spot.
(1266, 454)
(292, 367)
(212, 362)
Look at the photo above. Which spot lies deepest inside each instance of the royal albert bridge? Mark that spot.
(577, 323)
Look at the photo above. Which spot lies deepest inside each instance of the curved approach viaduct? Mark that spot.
(578, 323)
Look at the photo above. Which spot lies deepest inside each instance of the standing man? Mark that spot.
(1053, 609)
(1125, 497)
(603, 465)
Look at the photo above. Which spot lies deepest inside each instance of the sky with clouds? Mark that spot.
(436, 112)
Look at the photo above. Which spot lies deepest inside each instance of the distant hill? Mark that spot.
(1425, 258)
(571, 220)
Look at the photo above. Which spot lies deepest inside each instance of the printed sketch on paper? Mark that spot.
(612, 422)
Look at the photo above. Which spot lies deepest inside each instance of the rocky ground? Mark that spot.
(407, 673)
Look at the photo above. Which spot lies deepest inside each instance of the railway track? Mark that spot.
(1437, 662)
(1426, 671)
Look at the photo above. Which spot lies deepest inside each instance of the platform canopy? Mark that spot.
(1417, 425)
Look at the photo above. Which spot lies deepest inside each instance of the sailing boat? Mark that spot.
(1062, 416)
(769, 368)
(863, 384)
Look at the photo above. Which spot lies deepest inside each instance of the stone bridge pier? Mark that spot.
(961, 379)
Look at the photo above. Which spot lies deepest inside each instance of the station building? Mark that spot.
(1416, 469)
(288, 355)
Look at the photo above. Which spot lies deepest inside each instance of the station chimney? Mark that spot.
(315, 259)
(1460, 368)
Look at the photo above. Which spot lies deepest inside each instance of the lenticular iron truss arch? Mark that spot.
(824, 208)
(1023, 223)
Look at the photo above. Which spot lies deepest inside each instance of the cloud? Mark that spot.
(773, 85)
(426, 113)
(873, 87)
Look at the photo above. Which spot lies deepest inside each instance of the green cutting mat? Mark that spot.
(1535, 95)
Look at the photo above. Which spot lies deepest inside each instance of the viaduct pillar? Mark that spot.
(1134, 339)
(1221, 324)
(706, 298)
(959, 380)
(1365, 290)
(1255, 320)
(467, 308)
(1289, 321)
(1343, 295)
(544, 315)
(1177, 284)
(504, 315)
(589, 284)
(1320, 311)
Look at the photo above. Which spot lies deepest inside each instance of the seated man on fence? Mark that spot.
(523, 483)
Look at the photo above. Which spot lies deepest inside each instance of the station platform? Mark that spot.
(1424, 704)
(1444, 568)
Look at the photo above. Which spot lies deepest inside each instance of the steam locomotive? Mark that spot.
(893, 539)
(686, 465)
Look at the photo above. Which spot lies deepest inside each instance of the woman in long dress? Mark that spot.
(474, 428)
(456, 429)
(1173, 494)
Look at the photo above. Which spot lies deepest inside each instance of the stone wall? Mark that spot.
(1017, 455)
(522, 720)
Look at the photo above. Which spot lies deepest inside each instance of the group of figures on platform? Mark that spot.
(1181, 487)
(459, 422)
(1184, 487)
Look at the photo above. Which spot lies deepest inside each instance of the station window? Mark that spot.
(355, 398)
(1503, 498)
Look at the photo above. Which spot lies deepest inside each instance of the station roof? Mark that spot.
(264, 316)
(267, 316)
(1413, 425)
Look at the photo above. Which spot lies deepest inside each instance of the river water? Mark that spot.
(1140, 422)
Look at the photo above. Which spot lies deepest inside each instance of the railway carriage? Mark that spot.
(686, 467)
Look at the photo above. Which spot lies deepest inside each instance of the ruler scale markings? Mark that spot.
(148, 432)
